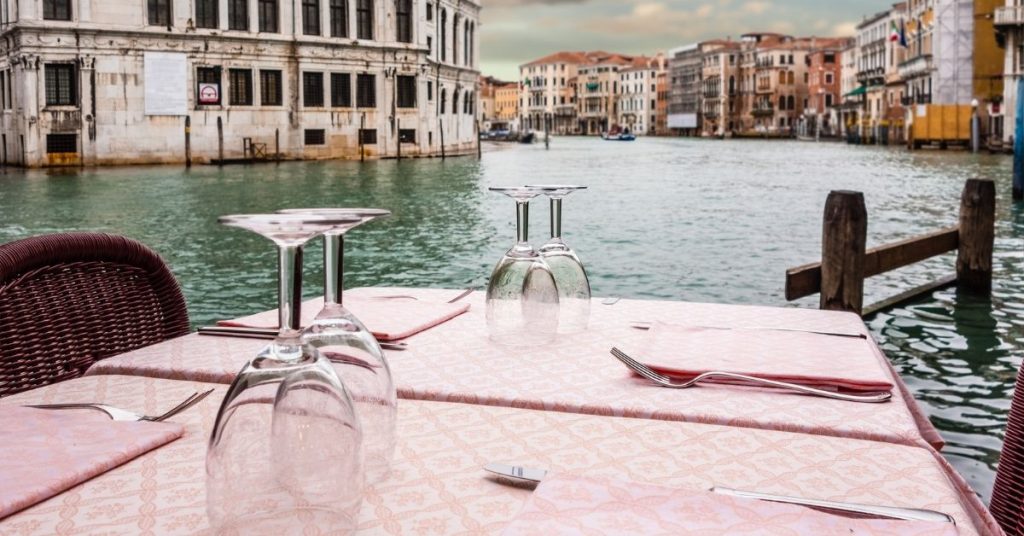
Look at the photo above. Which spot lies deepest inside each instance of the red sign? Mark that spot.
(209, 93)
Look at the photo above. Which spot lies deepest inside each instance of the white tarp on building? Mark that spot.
(682, 121)
(166, 83)
(953, 48)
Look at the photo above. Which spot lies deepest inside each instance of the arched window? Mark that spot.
(791, 102)
(465, 43)
(443, 47)
(403, 21)
(732, 85)
(455, 102)
(472, 43)
(455, 39)
(444, 100)
(782, 102)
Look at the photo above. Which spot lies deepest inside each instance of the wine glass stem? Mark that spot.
(522, 221)
(289, 279)
(556, 218)
(334, 268)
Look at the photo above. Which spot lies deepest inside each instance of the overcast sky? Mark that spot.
(517, 31)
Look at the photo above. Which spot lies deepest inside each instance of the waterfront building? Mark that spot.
(880, 52)
(852, 97)
(506, 107)
(824, 65)
(686, 69)
(169, 81)
(661, 109)
(1009, 21)
(954, 58)
(486, 115)
(638, 94)
(544, 82)
(781, 86)
(597, 87)
(719, 87)
(753, 104)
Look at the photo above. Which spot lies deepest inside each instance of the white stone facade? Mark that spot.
(638, 97)
(100, 82)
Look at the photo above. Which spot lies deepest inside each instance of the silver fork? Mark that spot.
(119, 414)
(665, 381)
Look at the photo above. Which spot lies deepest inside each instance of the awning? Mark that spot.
(857, 92)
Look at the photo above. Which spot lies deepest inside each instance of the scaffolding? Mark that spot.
(953, 47)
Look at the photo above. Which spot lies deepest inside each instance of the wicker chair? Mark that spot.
(70, 299)
(1007, 504)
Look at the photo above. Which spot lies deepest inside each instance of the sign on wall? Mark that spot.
(682, 121)
(166, 83)
(209, 93)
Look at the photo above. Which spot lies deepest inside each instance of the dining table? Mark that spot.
(568, 407)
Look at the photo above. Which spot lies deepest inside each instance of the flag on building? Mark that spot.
(898, 33)
(903, 34)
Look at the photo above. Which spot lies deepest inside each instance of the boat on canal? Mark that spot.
(618, 134)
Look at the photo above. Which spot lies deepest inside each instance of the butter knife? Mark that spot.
(270, 334)
(516, 472)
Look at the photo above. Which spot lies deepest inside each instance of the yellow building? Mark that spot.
(506, 105)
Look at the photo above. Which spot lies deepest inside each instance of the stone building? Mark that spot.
(544, 95)
(661, 107)
(95, 82)
(598, 91)
(685, 70)
(825, 88)
(1009, 21)
(638, 94)
(720, 83)
(506, 106)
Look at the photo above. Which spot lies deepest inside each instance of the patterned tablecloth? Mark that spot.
(456, 362)
(437, 486)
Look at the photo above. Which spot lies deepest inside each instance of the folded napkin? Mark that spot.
(389, 319)
(46, 452)
(574, 505)
(810, 359)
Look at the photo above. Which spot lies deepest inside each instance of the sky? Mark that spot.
(513, 32)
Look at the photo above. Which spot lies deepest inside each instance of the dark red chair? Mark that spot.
(1007, 504)
(68, 300)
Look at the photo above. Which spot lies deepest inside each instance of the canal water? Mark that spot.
(697, 220)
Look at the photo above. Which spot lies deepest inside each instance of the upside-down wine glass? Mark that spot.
(352, 348)
(570, 275)
(522, 299)
(285, 454)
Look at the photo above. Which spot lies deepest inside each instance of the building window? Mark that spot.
(443, 46)
(366, 91)
(158, 12)
(430, 45)
(238, 15)
(341, 90)
(61, 89)
(364, 19)
(403, 18)
(368, 136)
(430, 90)
(406, 91)
(240, 81)
(407, 135)
(339, 18)
(208, 85)
(313, 90)
(315, 136)
(207, 15)
(455, 102)
(271, 93)
(311, 17)
(61, 143)
(430, 11)
(828, 78)
(57, 9)
(268, 16)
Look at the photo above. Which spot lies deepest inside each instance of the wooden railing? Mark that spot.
(839, 277)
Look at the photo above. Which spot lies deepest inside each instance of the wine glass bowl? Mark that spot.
(522, 299)
(570, 275)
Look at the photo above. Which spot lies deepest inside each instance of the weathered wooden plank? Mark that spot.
(977, 236)
(844, 233)
(806, 280)
(889, 257)
(909, 295)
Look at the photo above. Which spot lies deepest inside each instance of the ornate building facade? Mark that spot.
(99, 82)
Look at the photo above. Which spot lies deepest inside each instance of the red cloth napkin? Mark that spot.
(576, 505)
(810, 359)
(46, 452)
(389, 319)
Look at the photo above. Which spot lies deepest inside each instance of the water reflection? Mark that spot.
(663, 218)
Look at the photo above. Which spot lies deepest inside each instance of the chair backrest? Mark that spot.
(70, 299)
(1007, 504)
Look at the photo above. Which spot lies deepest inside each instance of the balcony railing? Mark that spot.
(763, 111)
(1010, 16)
(916, 66)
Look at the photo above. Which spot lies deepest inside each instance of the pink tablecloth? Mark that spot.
(437, 485)
(456, 362)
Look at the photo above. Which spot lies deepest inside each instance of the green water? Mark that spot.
(663, 218)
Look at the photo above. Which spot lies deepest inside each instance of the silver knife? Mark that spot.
(516, 472)
(270, 334)
(893, 512)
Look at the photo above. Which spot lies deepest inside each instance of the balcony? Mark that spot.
(1010, 16)
(914, 67)
(763, 110)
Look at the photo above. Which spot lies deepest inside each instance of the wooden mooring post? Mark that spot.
(845, 262)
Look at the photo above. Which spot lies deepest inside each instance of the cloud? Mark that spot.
(845, 29)
(756, 6)
(517, 3)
